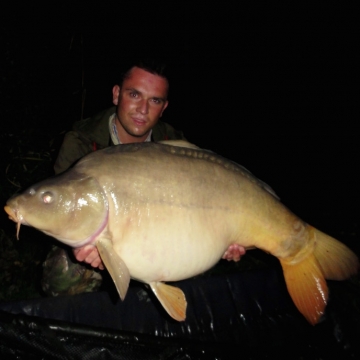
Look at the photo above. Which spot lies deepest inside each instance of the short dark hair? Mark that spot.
(152, 66)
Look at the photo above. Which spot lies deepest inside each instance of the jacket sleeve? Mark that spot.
(72, 149)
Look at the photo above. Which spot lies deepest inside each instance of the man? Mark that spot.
(140, 100)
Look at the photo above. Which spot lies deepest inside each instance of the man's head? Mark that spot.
(141, 99)
(150, 65)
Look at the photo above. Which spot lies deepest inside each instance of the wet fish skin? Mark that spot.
(167, 212)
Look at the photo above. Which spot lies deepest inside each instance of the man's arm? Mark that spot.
(71, 150)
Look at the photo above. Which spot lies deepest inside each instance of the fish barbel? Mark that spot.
(167, 212)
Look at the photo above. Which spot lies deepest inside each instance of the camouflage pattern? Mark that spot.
(62, 273)
(94, 132)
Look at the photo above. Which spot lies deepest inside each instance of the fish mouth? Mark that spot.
(13, 216)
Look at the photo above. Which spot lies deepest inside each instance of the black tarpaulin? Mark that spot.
(248, 313)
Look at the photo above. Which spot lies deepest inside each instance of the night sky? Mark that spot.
(272, 87)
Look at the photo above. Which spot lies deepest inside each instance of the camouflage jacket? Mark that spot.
(93, 134)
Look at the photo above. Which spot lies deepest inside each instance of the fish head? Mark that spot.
(71, 207)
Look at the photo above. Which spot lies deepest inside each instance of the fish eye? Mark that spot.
(47, 197)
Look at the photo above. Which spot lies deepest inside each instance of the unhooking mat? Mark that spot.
(245, 315)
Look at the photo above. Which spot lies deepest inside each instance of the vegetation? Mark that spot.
(27, 158)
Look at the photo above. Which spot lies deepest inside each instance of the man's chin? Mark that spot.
(139, 135)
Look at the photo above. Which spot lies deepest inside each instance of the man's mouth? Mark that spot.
(139, 122)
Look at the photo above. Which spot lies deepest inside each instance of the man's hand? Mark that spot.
(234, 252)
(90, 255)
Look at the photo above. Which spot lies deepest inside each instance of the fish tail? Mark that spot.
(336, 260)
(307, 287)
(305, 279)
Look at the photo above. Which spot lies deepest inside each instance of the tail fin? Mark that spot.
(307, 287)
(305, 280)
(336, 260)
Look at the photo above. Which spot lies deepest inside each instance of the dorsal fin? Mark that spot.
(186, 144)
(179, 143)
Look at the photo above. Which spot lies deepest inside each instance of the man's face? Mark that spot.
(140, 103)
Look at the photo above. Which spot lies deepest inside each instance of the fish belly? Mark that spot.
(172, 245)
(173, 216)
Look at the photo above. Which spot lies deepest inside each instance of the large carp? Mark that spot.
(159, 212)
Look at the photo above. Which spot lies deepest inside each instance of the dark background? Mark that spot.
(271, 86)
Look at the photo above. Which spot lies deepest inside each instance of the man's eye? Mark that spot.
(157, 101)
(133, 94)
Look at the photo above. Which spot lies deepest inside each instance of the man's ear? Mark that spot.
(116, 93)
(165, 106)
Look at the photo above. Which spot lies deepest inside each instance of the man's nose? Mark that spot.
(143, 107)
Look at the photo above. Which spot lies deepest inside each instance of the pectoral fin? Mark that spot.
(115, 265)
(171, 298)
